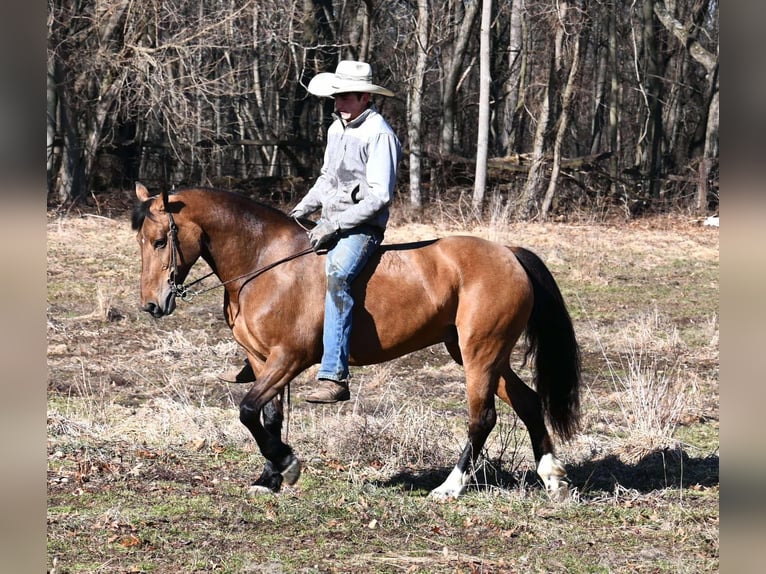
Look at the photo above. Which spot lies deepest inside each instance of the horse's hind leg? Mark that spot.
(480, 387)
(528, 407)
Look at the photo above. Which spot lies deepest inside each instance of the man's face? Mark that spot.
(350, 105)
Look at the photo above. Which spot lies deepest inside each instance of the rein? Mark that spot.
(182, 291)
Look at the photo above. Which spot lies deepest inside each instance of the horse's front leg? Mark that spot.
(265, 398)
(270, 479)
(273, 415)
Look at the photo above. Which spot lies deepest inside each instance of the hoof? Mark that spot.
(259, 490)
(270, 479)
(443, 495)
(292, 472)
(453, 487)
(561, 493)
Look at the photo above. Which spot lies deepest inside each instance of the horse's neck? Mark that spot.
(238, 245)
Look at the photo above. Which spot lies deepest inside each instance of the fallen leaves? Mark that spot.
(128, 541)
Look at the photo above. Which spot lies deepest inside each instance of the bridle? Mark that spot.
(182, 291)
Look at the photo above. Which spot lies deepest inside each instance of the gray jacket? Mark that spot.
(356, 184)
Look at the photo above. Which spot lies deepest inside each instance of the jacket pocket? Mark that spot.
(356, 194)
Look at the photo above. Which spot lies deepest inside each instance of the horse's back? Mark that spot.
(447, 260)
(416, 295)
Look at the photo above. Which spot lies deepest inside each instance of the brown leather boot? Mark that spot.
(329, 392)
(239, 375)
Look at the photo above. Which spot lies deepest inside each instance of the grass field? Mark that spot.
(148, 465)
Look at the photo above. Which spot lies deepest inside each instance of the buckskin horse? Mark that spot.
(475, 296)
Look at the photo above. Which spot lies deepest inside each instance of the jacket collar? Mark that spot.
(358, 120)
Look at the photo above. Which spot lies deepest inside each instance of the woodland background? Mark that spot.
(576, 108)
(571, 106)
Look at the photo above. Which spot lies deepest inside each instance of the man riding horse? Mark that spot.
(354, 191)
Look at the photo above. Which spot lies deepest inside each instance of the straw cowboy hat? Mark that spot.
(349, 76)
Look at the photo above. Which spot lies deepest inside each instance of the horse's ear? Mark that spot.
(141, 192)
(165, 201)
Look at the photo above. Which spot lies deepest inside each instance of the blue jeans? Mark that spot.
(344, 262)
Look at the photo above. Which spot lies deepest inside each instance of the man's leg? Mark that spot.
(344, 262)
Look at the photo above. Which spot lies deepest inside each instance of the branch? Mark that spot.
(685, 36)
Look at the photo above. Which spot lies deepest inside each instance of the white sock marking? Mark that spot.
(552, 471)
(454, 486)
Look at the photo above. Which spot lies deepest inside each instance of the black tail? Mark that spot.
(551, 339)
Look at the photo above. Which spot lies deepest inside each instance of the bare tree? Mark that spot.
(566, 103)
(359, 34)
(453, 69)
(546, 115)
(214, 90)
(514, 87)
(482, 143)
(535, 175)
(415, 107)
(84, 95)
(614, 95)
(649, 71)
(687, 35)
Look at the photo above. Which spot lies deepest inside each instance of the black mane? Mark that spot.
(140, 212)
(142, 209)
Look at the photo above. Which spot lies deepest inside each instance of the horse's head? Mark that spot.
(169, 247)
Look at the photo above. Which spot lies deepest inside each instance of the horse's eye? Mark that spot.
(160, 243)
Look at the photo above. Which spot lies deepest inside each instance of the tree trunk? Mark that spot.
(710, 154)
(563, 126)
(108, 94)
(360, 32)
(415, 117)
(482, 145)
(70, 173)
(84, 102)
(51, 123)
(533, 184)
(549, 109)
(686, 34)
(454, 67)
(648, 148)
(600, 98)
(513, 101)
(68, 179)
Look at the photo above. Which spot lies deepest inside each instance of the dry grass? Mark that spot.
(652, 389)
(144, 442)
(652, 399)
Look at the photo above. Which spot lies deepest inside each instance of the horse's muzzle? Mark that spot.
(158, 310)
(154, 310)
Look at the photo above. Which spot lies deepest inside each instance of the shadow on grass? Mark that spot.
(489, 475)
(656, 471)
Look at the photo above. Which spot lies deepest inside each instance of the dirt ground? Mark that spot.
(148, 465)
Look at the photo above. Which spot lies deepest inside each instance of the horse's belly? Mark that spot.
(386, 337)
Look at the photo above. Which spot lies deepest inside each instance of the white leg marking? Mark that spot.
(454, 486)
(292, 472)
(552, 471)
(257, 489)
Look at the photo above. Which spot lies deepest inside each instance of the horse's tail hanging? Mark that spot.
(551, 340)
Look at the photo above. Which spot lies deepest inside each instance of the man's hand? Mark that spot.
(297, 213)
(322, 235)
